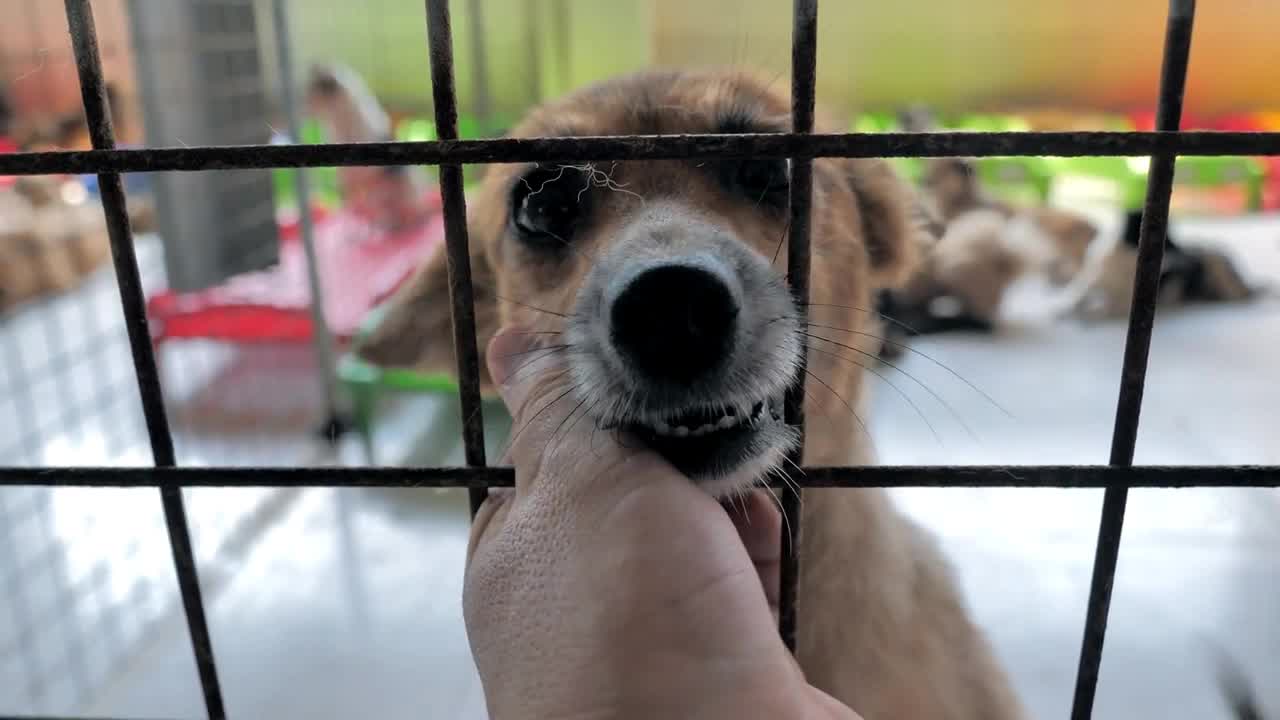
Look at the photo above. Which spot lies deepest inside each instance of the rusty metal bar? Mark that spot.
(93, 89)
(804, 70)
(644, 147)
(968, 476)
(461, 296)
(1142, 314)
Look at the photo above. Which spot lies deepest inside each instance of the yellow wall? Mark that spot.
(961, 54)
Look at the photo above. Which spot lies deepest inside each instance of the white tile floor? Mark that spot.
(337, 604)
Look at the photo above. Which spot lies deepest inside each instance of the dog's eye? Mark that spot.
(547, 204)
(759, 180)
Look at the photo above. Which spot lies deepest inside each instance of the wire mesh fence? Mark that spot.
(451, 154)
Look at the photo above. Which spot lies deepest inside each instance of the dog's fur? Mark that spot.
(47, 246)
(884, 628)
(1049, 240)
(986, 247)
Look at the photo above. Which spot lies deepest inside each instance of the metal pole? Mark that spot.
(322, 338)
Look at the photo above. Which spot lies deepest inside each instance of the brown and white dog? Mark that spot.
(1189, 274)
(985, 247)
(662, 282)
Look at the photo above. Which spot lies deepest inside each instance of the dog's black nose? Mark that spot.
(675, 322)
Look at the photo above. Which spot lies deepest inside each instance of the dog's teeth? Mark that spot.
(705, 429)
(680, 431)
(662, 428)
(727, 422)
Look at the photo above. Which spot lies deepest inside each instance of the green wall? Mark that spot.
(385, 40)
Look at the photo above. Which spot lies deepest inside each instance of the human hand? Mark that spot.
(608, 585)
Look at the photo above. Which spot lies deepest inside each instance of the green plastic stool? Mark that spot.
(324, 180)
(1130, 175)
(910, 168)
(1010, 177)
(365, 383)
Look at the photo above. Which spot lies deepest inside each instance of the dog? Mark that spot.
(1187, 275)
(389, 197)
(48, 245)
(986, 246)
(663, 285)
(1052, 241)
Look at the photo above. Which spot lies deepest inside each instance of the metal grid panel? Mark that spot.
(800, 146)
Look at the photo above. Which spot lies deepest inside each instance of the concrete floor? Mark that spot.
(342, 603)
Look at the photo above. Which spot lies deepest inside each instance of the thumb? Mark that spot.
(521, 367)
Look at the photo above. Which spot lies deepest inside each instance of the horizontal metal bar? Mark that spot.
(644, 147)
(1022, 476)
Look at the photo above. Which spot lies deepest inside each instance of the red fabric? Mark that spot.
(358, 269)
(7, 146)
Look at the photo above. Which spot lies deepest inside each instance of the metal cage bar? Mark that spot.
(93, 89)
(804, 70)
(644, 147)
(1142, 315)
(881, 476)
(462, 306)
(801, 146)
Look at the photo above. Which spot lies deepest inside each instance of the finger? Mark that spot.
(759, 524)
(518, 365)
(489, 519)
(532, 382)
(551, 430)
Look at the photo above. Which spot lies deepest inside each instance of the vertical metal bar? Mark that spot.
(1142, 313)
(804, 62)
(322, 337)
(482, 102)
(461, 294)
(133, 302)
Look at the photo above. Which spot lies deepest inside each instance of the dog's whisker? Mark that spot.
(536, 332)
(868, 311)
(786, 521)
(891, 384)
(514, 438)
(533, 307)
(535, 349)
(927, 357)
(533, 361)
(942, 401)
(910, 377)
(786, 231)
(856, 417)
(564, 425)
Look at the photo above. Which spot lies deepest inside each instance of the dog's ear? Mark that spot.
(416, 328)
(899, 226)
